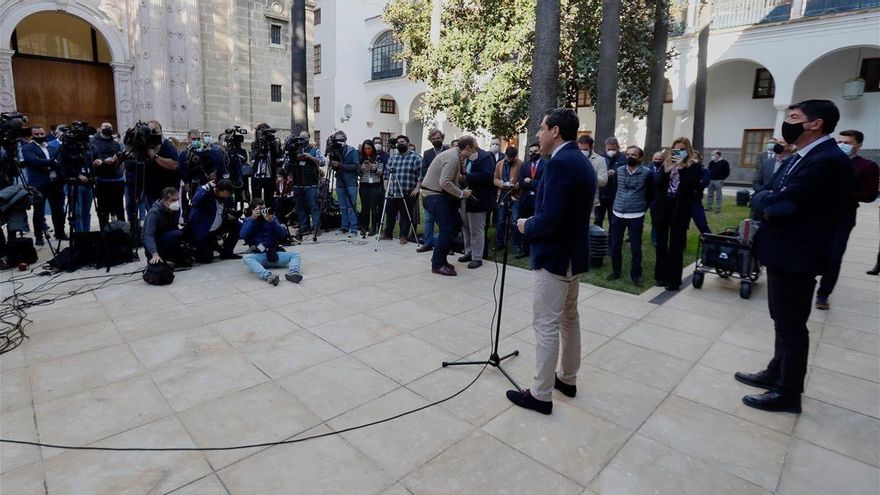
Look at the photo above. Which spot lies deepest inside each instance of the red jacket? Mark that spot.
(867, 180)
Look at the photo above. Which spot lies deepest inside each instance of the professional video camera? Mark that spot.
(234, 136)
(196, 159)
(78, 134)
(334, 149)
(75, 147)
(264, 139)
(139, 138)
(295, 145)
(12, 128)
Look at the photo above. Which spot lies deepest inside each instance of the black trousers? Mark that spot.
(790, 299)
(228, 232)
(399, 207)
(54, 193)
(110, 201)
(603, 209)
(839, 239)
(263, 187)
(671, 241)
(371, 206)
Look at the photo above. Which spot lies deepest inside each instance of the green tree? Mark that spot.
(479, 73)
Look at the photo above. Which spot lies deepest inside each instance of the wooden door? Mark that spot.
(52, 91)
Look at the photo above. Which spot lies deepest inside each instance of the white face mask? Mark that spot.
(378, 146)
(175, 206)
(611, 153)
(846, 148)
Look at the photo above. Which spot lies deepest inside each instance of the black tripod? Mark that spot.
(495, 360)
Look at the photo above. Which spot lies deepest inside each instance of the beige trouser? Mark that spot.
(555, 316)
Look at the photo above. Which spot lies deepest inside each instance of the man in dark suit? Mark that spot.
(769, 163)
(794, 244)
(559, 232)
(209, 220)
(479, 173)
(44, 174)
(529, 181)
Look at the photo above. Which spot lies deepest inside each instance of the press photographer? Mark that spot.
(77, 166)
(345, 162)
(305, 174)
(151, 164)
(15, 199)
(265, 155)
(211, 218)
(162, 238)
(109, 175)
(199, 163)
(263, 229)
(44, 174)
(236, 159)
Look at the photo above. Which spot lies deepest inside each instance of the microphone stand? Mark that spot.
(494, 359)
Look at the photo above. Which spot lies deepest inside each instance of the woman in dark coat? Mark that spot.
(678, 186)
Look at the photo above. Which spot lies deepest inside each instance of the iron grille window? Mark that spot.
(317, 59)
(276, 93)
(667, 92)
(317, 136)
(386, 138)
(317, 17)
(317, 103)
(764, 85)
(385, 63)
(583, 98)
(871, 74)
(387, 105)
(275, 34)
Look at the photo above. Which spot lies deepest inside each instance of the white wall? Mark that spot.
(825, 78)
(730, 108)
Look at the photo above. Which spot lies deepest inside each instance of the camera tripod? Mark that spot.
(392, 183)
(506, 202)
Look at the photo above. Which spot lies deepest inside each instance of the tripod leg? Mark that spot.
(381, 221)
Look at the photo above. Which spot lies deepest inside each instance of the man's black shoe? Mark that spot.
(5, 266)
(230, 256)
(673, 288)
(424, 248)
(61, 236)
(774, 401)
(659, 283)
(293, 277)
(525, 399)
(444, 270)
(761, 379)
(475, 264)
(875, 270)
(39, 242)
(464, 259)
(612, 276)
(566, 389)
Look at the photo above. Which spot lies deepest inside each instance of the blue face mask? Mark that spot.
(680, 153)
(845, 148)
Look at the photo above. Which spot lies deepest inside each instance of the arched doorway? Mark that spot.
(61, 67)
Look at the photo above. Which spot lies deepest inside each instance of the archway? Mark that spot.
(61, 67)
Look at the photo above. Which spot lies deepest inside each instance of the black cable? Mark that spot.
(264, 444)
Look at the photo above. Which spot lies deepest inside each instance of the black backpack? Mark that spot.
(21, 250)
(158, 274)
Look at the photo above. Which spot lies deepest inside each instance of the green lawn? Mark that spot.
(730, 216)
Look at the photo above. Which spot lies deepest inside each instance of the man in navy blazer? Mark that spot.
(794, 244)
(44, 174)
(559, 232)
(208, 220)
(529, 181)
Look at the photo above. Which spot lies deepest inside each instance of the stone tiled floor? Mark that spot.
(221, 358)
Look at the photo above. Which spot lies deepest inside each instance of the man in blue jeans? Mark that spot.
(263, 229)
(436, 138)
(305, 172)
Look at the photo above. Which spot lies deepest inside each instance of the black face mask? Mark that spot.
(437, 144)
(402, 148)
(534, 157)
(658, 163)
(632, 161)
(791, 132)
(778, 148)
(39, 140)
(107, 132)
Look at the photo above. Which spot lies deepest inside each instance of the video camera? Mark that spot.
(334, 149)
(75, 143)
(264, 139)
(234, 136)
(12, 128)
(139, 138)
(78, 134)
(295, 145)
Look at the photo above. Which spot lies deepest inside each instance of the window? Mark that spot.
(764, 85)
(386, 137)
(387, 105)
(753, 143)
(316, 135)
(317, 59)
(385, 51)
(276, 93)
(871, 74)
(583, 98)
(316, 103)
(667, 92)
(317, 17)
(275, 35)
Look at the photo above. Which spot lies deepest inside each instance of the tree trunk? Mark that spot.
(702, 81)
(606, 85)
(654, 137)
(299, 113)
(545, 64)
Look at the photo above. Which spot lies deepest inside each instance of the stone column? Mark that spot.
(122, 85)
(7, 88)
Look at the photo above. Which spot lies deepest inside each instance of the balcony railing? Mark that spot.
(730, 13)
(822, 7)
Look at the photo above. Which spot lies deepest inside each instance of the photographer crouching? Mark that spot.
(162, 238)
(263, 229)
(210, 219)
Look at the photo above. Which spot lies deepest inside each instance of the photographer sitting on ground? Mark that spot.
(162, 238)
(209, 219)
(262, 228)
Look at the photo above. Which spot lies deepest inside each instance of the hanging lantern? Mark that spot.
(854, 89)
